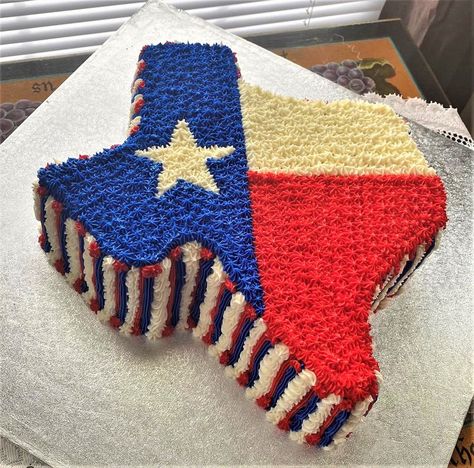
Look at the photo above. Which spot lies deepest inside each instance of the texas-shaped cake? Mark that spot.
(270, 226)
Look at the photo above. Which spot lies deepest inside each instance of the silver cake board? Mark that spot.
(74, 392)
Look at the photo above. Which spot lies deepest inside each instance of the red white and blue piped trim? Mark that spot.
(199, 222)
(154, 300)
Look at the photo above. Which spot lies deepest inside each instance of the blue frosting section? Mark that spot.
(201, 287)
(178, 287)
(148, 284)
(99, 281)
(122, 285)
(84, 287)
(63, 243)
(114, 193)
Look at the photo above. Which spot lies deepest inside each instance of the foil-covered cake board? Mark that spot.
(75, 392)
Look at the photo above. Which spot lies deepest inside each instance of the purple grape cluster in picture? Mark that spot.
(348, 74)
(12, 115)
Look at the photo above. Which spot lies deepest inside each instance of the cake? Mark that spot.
(271, 227)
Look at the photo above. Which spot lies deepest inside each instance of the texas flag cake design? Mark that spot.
(270, 226)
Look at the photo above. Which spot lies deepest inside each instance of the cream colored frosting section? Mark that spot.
(161, 294)
(289, 135)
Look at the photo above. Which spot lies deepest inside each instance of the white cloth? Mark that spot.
(429, 114)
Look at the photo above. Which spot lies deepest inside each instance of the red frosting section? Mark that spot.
(323, 245)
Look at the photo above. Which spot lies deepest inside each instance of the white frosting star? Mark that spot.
(183, 159)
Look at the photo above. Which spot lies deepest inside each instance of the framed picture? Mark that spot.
(371, 57)
(378, 57)
(25, 85)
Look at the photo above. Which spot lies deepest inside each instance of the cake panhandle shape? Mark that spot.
(271, 227)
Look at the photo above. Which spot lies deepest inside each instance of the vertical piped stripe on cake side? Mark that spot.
(177, 278)
(357, 414)
(268, 370)
(223, 299)
(229, 322)
(315, 420)
(141, 326)
(80, 285)
(121, 294)
(239, 337)
(287, 372)
(97, 303)
(133, 288)
(72, 249)
(293, 419)
(51, 226)
(379, 289)
(54, 223)
(109, 290)
(214, 282)
(191, 256)
(63, 265)
(206, 263)
(161, 294)
(143, 298)
(330, 428)
(409, 268)
(297, 388)
(392, 278)
(258, 329)
(88, 261)
(40, 197)
(260, 350)
(215, 330)
(147, 282)
(423, 252)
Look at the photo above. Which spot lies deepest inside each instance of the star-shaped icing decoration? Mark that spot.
(183, 159)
